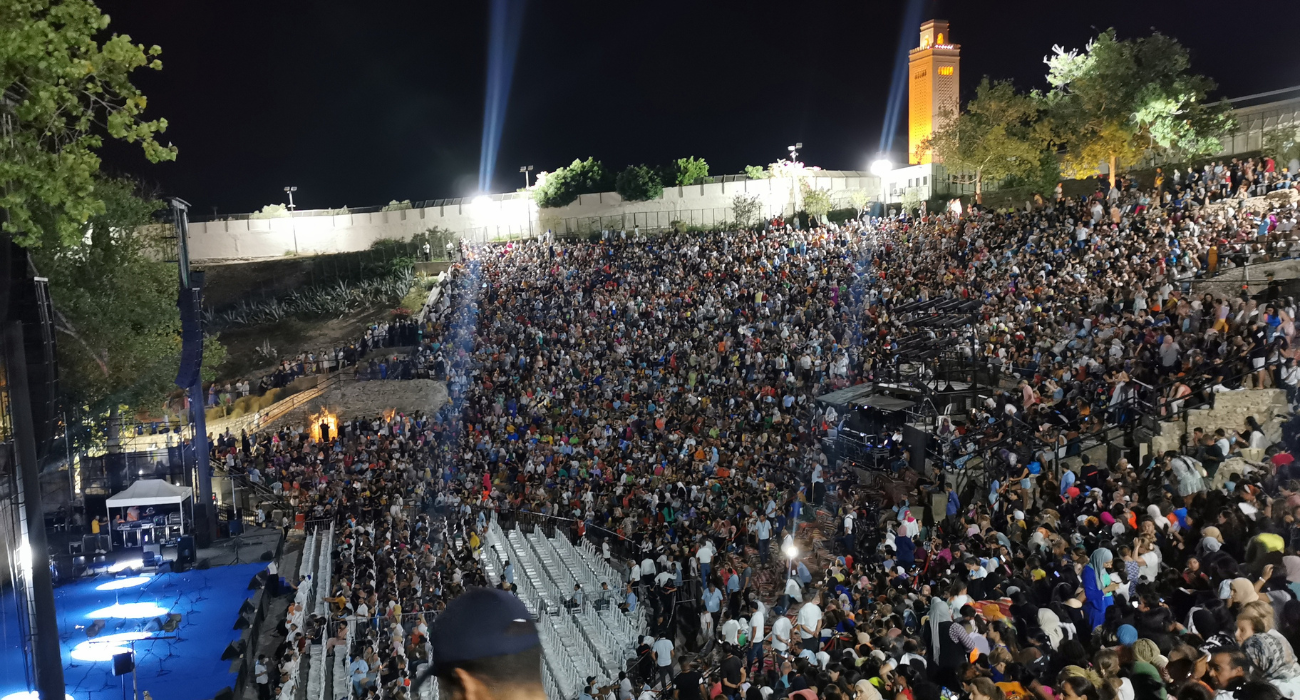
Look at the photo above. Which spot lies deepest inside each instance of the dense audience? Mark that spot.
(658, 395)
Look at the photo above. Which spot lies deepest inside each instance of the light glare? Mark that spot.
(481, 200)
(129, 611)
(106, 647)
(123, 583)
(28, 695)
(881, 166)
(125, 564)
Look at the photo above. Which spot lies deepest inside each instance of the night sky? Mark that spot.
(359, 103)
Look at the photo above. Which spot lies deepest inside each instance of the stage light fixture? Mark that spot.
(129, 611)
(881, 166)
(123, 583)
(481, 200)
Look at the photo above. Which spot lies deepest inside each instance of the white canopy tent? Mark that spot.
(149, 492)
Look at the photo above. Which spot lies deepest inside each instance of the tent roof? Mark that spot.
(848, 395)
(863, 395)
(148, 492)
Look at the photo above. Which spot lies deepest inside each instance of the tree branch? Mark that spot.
(63, 326)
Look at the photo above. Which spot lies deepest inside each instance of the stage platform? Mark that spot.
(182, 665)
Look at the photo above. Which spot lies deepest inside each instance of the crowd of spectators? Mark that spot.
(658, 395)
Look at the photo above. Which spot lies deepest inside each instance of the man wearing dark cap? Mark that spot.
(485, 647)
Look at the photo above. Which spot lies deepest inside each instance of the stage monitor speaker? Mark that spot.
(225, 693)
(268, 556)
(258, 581)
(185, 551)
(247, 607)
(95, 628)
(234, 650)
(180, 567)
(245, 621)
(123, 663)
(203, 564)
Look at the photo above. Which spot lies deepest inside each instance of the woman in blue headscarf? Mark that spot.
(1097, 586)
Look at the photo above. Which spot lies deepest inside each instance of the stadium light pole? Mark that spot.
(525, 170)
(292, 224)
(794, 190)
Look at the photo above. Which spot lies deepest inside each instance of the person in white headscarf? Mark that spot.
(1051, 626)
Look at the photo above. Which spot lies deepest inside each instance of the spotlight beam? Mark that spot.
(505, 24)
(898, 86)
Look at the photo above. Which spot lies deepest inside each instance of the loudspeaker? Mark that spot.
(190, 304)
(225, 694)
(244, 622)
(32, 305)
(268, 556)
(123, 663)
(247, 607)
(180, 567)
(234, 650)
(185, 551)
(203, 564)
(258, 581)
(95, 628)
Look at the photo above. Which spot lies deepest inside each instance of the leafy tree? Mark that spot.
(996, 137)
(746, 210)
(1282, 143)
(638, 183)
(63, 91)
(685, 171)
(394, 205)
(756, 172)
(859, 199)
(1119, 100)
(816, 202)
(115, 307)
(911, 200)
(272, 211)
(565, 184)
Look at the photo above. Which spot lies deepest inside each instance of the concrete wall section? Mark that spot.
(505, 217)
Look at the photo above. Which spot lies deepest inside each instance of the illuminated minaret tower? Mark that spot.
(935, 69)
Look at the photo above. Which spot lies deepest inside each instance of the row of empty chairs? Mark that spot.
(578, 641)
(316, 682)
(302, 600)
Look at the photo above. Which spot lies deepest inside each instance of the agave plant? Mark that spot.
(265, 351)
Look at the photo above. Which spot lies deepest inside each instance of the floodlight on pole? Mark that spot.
(794, 151)
(881, 166)
(290, 191)
(525, 169)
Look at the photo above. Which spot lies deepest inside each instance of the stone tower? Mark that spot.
(935, 66)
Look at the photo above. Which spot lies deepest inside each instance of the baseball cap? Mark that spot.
(481, 623)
